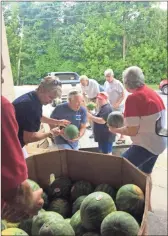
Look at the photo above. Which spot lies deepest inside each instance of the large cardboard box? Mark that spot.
(94, 167)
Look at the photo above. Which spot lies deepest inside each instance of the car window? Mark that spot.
(63, 77)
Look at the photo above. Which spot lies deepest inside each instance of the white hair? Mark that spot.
(83, 77)
(109, 72)
(133, 77)
(73, 93)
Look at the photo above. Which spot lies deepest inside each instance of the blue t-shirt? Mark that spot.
(63, 111)
(101, 131)
(28, 111)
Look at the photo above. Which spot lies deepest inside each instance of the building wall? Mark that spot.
(8, 85)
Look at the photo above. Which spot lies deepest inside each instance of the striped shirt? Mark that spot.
(143, 108)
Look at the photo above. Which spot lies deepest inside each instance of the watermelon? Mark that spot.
(12, 225)
(81, 188)
(68, 220)
(33, 185)
(26, 225)
(71, 132)
(115, 119)
(94, 208)
(60, 187)
(119, 223)
(42, 218)
(3, 225)
(106, 188)
(130, 198)
(91, 106)
(60, 206)
(59, 228)
(13, 232)
(91, 234)
(76, 205)
(77, 224)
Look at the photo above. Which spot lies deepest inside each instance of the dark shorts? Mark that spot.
(105, 147)
(141, 158)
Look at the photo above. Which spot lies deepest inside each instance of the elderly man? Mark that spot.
(90, 89)
(116, 93)
(143, 110)
(74, 112)
(28, 108)
(18, 202)
(102, 134)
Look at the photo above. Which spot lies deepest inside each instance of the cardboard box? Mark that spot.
(94, 167)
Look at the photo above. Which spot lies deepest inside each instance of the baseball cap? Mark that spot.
(102, 95)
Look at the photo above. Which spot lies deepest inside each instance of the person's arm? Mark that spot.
(15, 189)
(122, 96)
(131, 118)
(128, 131)
(54, 122)
(98, 120)
(30, 137)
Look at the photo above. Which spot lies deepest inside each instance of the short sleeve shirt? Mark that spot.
(13, 165)
(114, 90)
(28, 111)
(92, 89)
(101, 131)
(143, 108)
(63, 111)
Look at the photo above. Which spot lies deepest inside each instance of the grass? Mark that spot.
(153, 86)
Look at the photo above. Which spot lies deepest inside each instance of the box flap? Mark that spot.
(95, 167)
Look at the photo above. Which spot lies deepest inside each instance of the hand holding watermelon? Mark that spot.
(71, 133)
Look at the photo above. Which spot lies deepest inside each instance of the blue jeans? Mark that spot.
(105, 147)
(67, 146)
(141, 158)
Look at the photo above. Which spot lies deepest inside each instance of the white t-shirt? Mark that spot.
(114, 90)
(92, 89)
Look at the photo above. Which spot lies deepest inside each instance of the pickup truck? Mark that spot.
(69, 80)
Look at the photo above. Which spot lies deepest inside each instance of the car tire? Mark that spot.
(165, 89)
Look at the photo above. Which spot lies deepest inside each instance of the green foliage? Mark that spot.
(86, 37)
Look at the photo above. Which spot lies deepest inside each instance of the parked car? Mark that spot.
(163, 86)
(69, 80)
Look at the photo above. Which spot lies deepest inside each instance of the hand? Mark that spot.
(64, 122)
(56, 131)
(37, 202)
(116, 105)
(112, 129)
(70, 140)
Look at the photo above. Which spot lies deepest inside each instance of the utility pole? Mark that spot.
(20, 50)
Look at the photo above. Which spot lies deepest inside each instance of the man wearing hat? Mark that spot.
(102, 135)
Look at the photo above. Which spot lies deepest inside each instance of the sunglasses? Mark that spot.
(57, 83)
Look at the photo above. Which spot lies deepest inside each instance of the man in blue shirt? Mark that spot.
(76, 114)
(28, 109)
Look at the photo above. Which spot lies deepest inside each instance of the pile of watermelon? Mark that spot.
(82, 209)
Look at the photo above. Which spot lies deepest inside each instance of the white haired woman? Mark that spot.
(143, 110)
